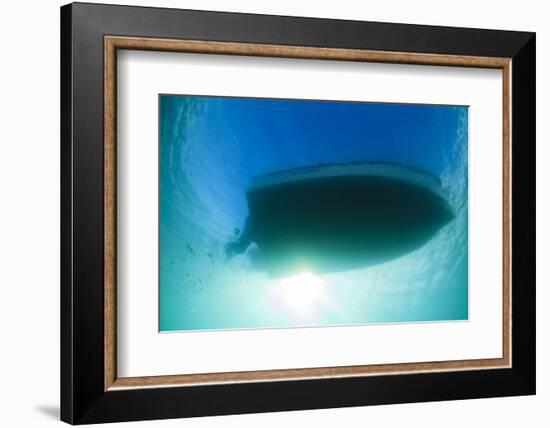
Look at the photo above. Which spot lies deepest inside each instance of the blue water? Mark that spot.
(211, 148)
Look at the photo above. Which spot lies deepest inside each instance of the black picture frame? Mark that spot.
(83, 396)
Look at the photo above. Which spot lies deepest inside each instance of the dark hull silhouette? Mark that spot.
(340, 217)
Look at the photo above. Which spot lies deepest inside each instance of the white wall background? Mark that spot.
(29, 214)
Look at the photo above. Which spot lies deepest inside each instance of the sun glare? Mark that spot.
(302, 294)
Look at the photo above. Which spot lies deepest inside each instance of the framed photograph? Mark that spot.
(266, 213)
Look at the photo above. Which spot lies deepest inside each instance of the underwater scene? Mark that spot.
(277, 213)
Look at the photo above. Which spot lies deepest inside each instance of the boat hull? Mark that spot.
(321, 222)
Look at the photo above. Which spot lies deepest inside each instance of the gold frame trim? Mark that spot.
(113, 43)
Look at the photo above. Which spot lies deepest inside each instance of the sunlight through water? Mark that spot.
(302, 295)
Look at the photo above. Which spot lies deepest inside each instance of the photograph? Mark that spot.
(273, 210)
(280, 213)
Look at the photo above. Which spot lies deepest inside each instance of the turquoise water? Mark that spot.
(210, 150)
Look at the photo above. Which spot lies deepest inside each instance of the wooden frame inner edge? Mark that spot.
(112, 43)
